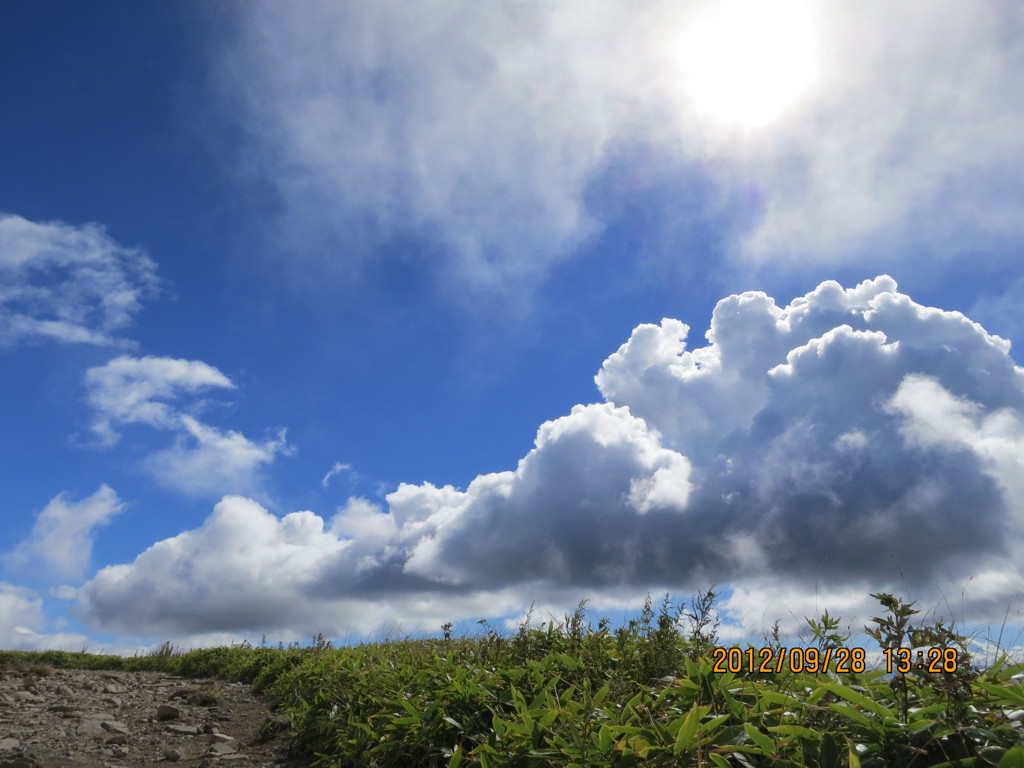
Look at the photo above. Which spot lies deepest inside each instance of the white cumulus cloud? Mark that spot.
(68, 283)
(62, 536)
(23, 623)
(850, 441)
(149, 391)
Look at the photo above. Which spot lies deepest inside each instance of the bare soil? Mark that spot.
(100, 719)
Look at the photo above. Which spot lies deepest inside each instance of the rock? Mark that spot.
(9, 743)
(118, 738)
(217, 748)
(92, 728)
(115, 727)
(184, 730)
(167, 712)
(223, 738)
(172, 755)
(20, 762)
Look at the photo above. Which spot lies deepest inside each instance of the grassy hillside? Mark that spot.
(639, 695)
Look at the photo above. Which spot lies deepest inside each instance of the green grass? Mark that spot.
(646, 694)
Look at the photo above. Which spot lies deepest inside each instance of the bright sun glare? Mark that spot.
(745, 62)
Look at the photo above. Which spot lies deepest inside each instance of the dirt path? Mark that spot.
(90, 719)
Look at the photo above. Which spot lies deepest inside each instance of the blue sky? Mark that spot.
(363, 316)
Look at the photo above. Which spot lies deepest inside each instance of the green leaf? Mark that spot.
(861, 700)
(851, 751)
(760, 739)
(781, 699)
(795, 730)
(1013, 694)
(828, 752)
(853, 714)
(1014, 758)
(684, 739)
(404, 720)
(456, 757)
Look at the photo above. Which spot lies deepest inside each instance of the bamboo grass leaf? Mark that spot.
(760, 739)
(1014, 758)
(851, 752)
(862, 701)
(795, 730)
(853, 714)
(688, 729)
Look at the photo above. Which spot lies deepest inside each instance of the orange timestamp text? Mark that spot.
(766, 660)
(929, 660)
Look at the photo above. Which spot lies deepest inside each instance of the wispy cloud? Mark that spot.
(149, 391)
(133, 390)
(851, 440)
(475, 126)
(487, 128)
(906, 149)
(337, 469)
(68, 283)
(62, 536)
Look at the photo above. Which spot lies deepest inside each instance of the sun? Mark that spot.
(744, 62)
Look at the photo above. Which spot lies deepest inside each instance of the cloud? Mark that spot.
(205, 460)
(62, 536)
(907, 145)
(68, 283)
(125, 391)
(850, 441)
(22, 621)
(337, 469)
(476, 126)
(491, 130)
(934, 419)
(147, 390)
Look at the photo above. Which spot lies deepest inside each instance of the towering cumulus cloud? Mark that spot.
(851, 440)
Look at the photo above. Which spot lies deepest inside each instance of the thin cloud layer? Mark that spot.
(852, 440)
(149, 391)
(68, 283)
(62, 536)
(908, 146)
(488, 128)
(475, 126)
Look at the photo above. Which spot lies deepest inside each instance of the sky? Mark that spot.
(360, 318)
